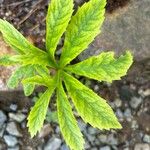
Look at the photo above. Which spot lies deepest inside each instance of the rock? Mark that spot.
(3, 118)
(105, 148)
(13, 129)
(119, 114)
(46, 130)
(103, 138)
(92, 130)
(53, 144)
(2, 130)
(146, 138)
(134, 124)
(10, 140)
(82, 125)
(14, 148)
(64, 147)
(117, 103)
(19, 117)
(141, 146)
(126, 28)
(135, 102)
(13, 107)
(112, 140)
(128, 115)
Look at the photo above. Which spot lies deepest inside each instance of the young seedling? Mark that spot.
(35, 67)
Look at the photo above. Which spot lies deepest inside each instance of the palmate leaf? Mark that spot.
(103, 67)
(38, 112)
(58, 16)
(67, 122)
(15, 39)
(6, 61)
(41, 58)
(92, 108)
(83, 28)
(38, 80)
(20, 73)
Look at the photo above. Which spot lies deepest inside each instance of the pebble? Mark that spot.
(46, 130)
(117, 103)
(119, 114)
(19, 117)
(82, 125)
(64, 147)
(146, 138)
(103, 138)
(2, 130)
(12, 129)
(14, 148)
(3, 118)
(92, 130)
(112, 140)
(134, 125)
(135, 102)
(105, 148)
(141, 146)
(13, 107)
(53, 144)
(10, 140)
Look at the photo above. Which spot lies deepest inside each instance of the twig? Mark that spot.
(18, 3)
(35, 7)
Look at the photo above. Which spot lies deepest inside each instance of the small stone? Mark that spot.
(146, 138)
(53, 144)
(134, 125)
(12, 129)
(87, 145)
(105, 148)
(13, 107)
(19, 117)
(2, 130)
(10, 140)
(141, 146)
(96, 88)
(144, 93)
(64, 147)
(14, 148)
(46, 130)
(3, 118)
(81, 125)
(103, 138)
(119, 114)
(112, 140)
(117, 103)
(92, 130)
(135, 102)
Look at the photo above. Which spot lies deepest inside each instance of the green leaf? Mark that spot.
(38, 112)
(58, 16)
(92, 108)
(15, 39)
(103, 67)
(28, 89)
(82, 30)
(32, 59)
(67, 122)
(6, 61)
(38, 80)
(21, 72)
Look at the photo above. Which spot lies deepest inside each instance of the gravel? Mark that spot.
(53, 144)
(105, 148)
(19, 117)
(146, 138)
(10, 140)
(142, 146)
(135, 102)
(13, 129)
(3, 118)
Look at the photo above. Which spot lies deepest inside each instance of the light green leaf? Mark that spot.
(21, 72)
(92, 108)
(32, 59)
(38, 80)
(15, 39)
(103, 67)
(28, 89)
(82, 30)
(38, 112)
(58, 16)
(6, 61)
(67, 122)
